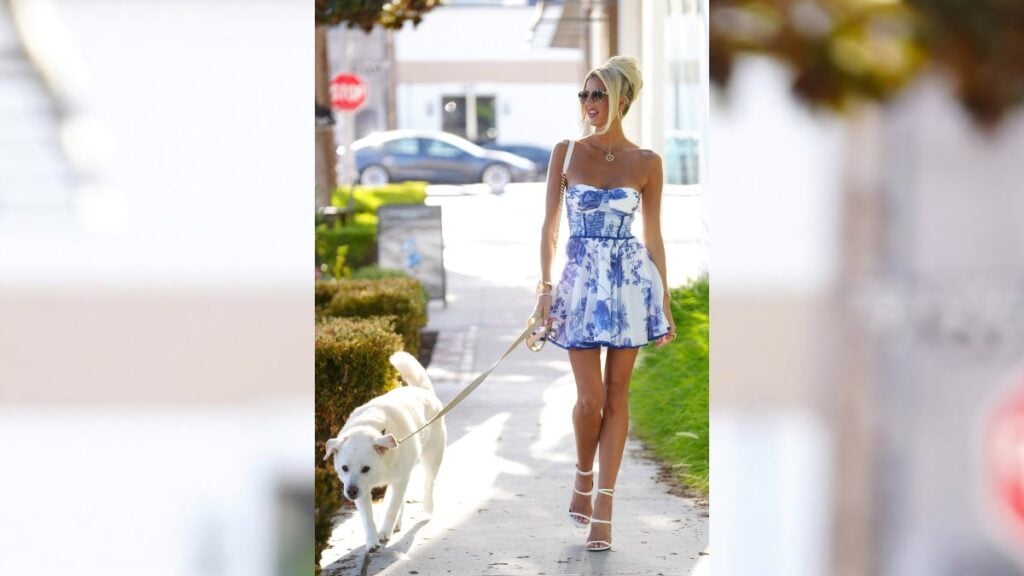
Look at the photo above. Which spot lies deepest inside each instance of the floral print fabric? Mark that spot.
(610, 292)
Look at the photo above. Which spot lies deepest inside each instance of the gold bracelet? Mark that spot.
(542, 285)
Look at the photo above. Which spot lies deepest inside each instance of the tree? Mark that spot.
(845, 50)
(366, 14)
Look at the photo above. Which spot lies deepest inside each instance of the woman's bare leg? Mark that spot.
(614, 427)
(586, 420)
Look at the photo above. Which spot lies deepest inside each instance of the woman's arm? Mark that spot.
(549, 230)
(651, 209)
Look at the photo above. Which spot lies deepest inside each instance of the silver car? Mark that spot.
(435, 157)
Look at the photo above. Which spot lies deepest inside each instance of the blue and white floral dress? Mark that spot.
(610, 293)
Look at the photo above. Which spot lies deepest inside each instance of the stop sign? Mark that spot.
(1004, 464)
(348, 92)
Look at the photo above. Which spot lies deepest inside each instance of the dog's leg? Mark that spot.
(364, 505)
(431, 461)
(394, 507)
(401, 513)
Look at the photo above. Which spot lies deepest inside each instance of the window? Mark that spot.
(403, 146)
(453, 115)
(441, 149)
(486, 124)
(474, 119)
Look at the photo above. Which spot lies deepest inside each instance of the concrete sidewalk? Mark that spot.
(502, 495)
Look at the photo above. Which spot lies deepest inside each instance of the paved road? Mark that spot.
(503, 490)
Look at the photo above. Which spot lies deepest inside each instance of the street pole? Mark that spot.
(349, 127)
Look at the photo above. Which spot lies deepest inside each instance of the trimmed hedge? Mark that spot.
(369, 199)
(351, 368)
(360, 236)
(378, 273)
(402, 298)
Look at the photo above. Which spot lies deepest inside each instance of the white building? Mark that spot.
(472, 71)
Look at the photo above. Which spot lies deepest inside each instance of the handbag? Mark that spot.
(539, 333)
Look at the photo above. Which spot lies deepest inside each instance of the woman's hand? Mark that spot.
(543, 309)
(671, 324)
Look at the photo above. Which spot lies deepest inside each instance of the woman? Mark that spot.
(612, 292)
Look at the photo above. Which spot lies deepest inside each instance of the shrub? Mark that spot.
(359, 236)
(402, 298)
(352, 367)
(369, 199)
(323, 293)
(378, 273)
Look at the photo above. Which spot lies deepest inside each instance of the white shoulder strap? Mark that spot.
(568, 154)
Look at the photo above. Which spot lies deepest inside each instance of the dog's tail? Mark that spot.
(411, 370)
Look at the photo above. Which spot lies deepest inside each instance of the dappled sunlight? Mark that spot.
(555, 421)
(702, 567)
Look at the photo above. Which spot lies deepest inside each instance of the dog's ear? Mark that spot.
(332, 447)
(385, 443)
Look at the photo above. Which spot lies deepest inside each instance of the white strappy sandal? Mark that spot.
(578, 518)
(601, 544)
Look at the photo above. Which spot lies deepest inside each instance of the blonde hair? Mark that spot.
(621, 77)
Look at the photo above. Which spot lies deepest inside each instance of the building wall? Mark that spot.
(526, 113)
(462, 50)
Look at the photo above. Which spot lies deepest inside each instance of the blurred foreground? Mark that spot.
(866, 334)
(155, 375)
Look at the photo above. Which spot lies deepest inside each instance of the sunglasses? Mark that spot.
(595, 96)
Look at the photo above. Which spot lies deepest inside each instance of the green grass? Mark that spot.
(669, 392)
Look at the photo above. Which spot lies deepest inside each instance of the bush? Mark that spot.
(352, 361)
(402, 298)
(323, 293)
(378, 273)
(369, 199)
(360, 236)
(352, 367)
(669, 392)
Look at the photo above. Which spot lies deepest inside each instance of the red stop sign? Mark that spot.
(1004, 463)
(348, 92)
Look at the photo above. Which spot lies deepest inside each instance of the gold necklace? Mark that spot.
(608, 156)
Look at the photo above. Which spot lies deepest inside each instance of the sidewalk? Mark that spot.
(503, 492)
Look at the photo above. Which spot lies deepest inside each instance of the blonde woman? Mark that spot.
(612, 292)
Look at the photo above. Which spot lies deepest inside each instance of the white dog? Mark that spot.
(366, 454)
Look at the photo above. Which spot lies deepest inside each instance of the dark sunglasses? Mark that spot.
(594, 95)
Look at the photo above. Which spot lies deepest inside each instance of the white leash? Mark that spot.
(532, 334)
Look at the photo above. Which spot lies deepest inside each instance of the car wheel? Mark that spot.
(374, 176)
(496, 176)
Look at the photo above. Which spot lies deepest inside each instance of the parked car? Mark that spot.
(435, 157)
(539, 155)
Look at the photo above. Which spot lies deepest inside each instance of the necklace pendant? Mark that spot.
(609, 157)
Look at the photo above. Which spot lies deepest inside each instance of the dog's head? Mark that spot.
(359, 459)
